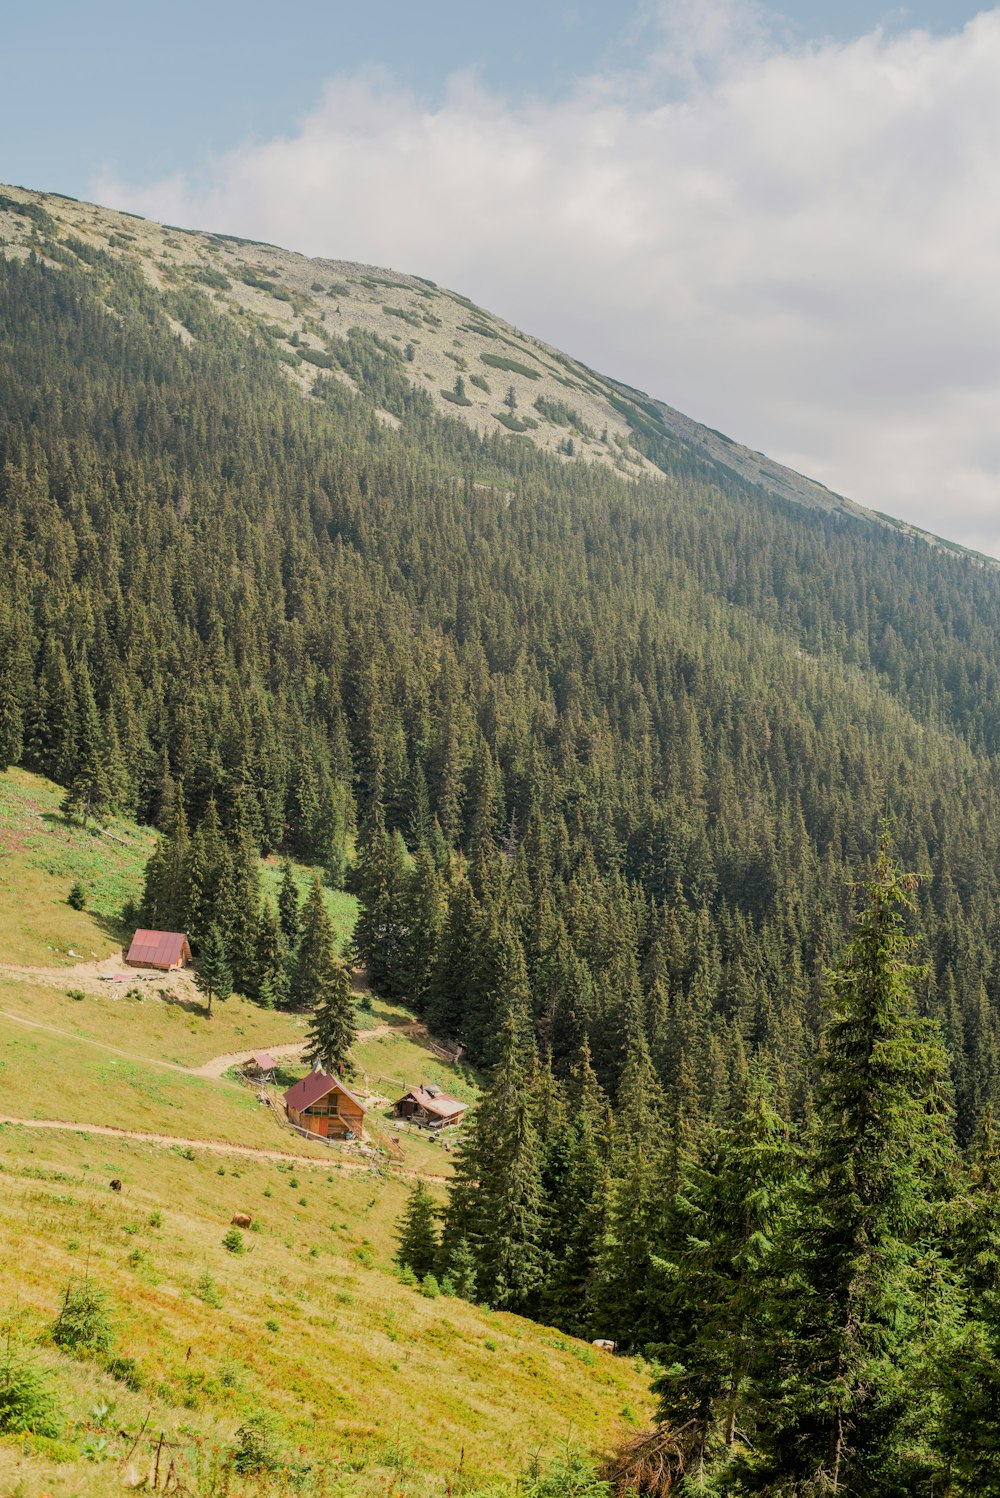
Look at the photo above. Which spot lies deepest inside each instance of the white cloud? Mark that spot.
(798, 245)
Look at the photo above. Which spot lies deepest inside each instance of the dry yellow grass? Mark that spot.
(362, 1373)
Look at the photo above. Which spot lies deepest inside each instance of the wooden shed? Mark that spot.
(429, 1107)
(164, 950)
(324, 1106)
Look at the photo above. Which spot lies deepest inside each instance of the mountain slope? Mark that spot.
(307, 305)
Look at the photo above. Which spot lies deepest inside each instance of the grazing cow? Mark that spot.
(603, 1344)
(241, 1219)
(115, 1185)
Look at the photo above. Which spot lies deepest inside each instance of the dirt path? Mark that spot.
(213, 1146)
(217, 1066)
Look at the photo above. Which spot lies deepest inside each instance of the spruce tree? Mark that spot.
(843, 1408)
(724, 1283)
(332, 1029)
(271, 984)
(212, 974)
(417, 1233)
(288, 905)
(316, 955)
(496, 1199)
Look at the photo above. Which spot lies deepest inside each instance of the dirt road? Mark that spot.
(213, 1146)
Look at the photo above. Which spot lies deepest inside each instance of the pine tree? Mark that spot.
(417, 1233)
(332, 1029)
(843, 1398)
(212, 974)
(271, 984)
(288, 905)
(723, 1292)
(496, 1200)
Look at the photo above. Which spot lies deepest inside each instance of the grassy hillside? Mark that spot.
(370, 1382)
(43, 853)
(371, 1386)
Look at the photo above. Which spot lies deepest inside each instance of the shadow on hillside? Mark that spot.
(190, 1006)
(114, 927)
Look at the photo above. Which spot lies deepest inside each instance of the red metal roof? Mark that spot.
(160, 948)
(265, 1061)
(313, 1087)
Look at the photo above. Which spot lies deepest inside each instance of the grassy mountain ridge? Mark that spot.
(306, 304)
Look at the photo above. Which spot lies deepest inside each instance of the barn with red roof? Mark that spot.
(164, 950)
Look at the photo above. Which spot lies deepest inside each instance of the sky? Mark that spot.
(783, 220)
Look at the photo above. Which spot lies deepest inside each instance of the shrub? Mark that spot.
(84, 1324)
(255, 1448)
(233, 1242)
(77, 897)
(213, 278)
(208, 1291)
(155, 1218)
(27, 1402)
(497, 361)
(406, 1276)
(272, 1325)
(126, 1371)
(75, 993)
(430, 1287)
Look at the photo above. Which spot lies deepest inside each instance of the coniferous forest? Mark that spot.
(624, 773)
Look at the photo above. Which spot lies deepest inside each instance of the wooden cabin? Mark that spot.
(429, 1107)
(164, 950)
(324, 1106)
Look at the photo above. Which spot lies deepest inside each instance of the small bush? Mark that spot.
(430, 1287)
(84, 1324)
(208, 1291)
(233, 1242)
(255, 1448)
(497, 361)
(77, 897)
(126, 1371)
(27, 1401)
(272, 1325)
(75, 993)
(155, 1218)
(406, 1276)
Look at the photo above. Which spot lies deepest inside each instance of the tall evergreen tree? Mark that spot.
(496, 1201)
(213, 975)
(842, 1410)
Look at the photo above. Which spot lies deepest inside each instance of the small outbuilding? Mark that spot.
(261, 1067)
(165, 950)
(429, 1107)
(324, 1106)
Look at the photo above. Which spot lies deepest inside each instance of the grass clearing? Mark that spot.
(395, 1063)
(168, 1024)
(42, 855)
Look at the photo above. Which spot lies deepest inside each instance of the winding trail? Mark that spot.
(213, 1146)
(217, 1066)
